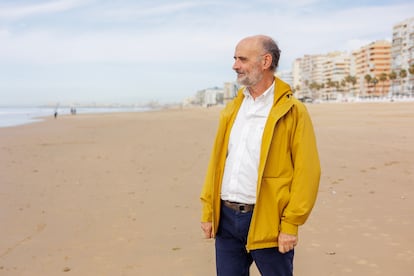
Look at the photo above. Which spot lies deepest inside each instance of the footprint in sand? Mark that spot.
(39, 228)
(391, 163)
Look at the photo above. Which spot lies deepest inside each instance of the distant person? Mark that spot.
(55, 114)
(263, 176)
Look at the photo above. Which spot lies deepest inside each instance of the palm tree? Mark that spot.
(383, 78)
(368, 79)
(402, 75)
(343, 83)
(297, 88)
(312, 87)
(306, 83)
(352, 80)
(348, 79)
(411, 71)
(336, 85)
(375, 81)
(329, 84)
(392, 76)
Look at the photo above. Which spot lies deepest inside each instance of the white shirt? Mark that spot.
(242, 163)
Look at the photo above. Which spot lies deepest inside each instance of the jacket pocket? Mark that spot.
(276, 191)
(272, 200)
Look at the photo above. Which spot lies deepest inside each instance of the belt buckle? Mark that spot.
(243, 209)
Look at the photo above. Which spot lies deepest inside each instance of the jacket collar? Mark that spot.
(281, 98)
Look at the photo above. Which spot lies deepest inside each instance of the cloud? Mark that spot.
(194, 38)
(15, 11)
(48, 47)
(136, 11)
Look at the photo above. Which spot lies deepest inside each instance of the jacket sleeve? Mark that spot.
(306, 175)
(207, 192)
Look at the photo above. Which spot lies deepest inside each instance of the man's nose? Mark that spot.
(236, 65)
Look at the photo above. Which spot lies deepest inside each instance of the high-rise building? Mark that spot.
(311, 72)
(372, 68)
(336, 67)
(229, 91)
(286, 76)
(402, 55)
(296, 77)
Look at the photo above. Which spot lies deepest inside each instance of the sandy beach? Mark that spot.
(118, 194)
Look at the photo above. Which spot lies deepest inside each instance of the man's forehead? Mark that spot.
(245, 50)
(248, 45)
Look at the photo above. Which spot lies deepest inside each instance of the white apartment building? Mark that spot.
(212, 96)
(296, 77)
(336, 67)
(310, 71)
(229, 91)
(286, 76)
(320, 76)
(402, 55)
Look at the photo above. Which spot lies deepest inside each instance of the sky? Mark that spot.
(133, 51)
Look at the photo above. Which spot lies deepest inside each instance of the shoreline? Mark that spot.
(16, 116)
(19, 116)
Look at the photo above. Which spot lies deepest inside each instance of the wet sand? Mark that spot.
(117, 194)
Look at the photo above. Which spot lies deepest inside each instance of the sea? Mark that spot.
(14, 116)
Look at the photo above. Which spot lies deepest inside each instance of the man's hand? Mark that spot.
(207, 229)
(286, 242)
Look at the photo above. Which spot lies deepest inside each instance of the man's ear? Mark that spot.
(267, 61)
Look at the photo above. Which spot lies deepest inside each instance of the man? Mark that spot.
(263, 175)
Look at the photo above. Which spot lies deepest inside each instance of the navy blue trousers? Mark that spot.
(232, 258)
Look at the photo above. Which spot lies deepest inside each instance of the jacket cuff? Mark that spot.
(288, 228)
(206, 215)
(206, 218)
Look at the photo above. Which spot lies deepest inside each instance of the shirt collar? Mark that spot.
(269, 91)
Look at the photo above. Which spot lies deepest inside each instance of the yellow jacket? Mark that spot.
(288, 174)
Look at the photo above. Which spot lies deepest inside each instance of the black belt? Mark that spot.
(240, 207)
